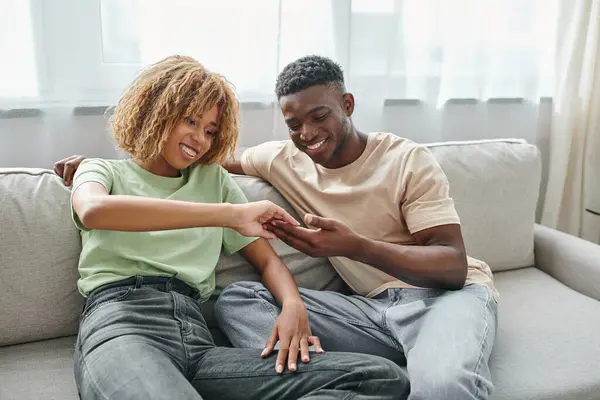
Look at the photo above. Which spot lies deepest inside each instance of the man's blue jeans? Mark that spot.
(444, 337)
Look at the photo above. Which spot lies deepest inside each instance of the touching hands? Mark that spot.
(330, 238)
(251, 219)
(292, 330)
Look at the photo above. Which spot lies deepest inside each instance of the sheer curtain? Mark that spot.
(428, 50)
(572, 201)
(429, 70)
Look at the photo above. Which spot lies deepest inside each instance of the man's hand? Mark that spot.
(331, 237)
(292, 330)
(66, 168)
(251, 219)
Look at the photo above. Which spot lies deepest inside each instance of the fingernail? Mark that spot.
(305, 358)
(263, 352)
(279, 369)
(293, 367)
(321, 350)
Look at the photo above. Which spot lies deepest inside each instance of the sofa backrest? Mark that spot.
(494, 184)
(495, 187)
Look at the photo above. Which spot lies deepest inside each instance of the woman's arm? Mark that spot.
(97, 209)
(292, 328)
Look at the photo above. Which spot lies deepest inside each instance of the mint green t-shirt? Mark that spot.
(189, 254)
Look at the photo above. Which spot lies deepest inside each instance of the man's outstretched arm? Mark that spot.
(437, 260)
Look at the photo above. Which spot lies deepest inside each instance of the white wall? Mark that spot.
(40, 141)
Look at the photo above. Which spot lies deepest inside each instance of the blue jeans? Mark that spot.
(145, 338)
(444, 338)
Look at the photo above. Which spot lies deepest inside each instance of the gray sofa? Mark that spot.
(548, 341)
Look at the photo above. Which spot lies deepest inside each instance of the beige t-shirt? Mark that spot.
(395, 188)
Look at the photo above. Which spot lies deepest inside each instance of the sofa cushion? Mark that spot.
(38, 261)
(547, 344)
(38, 370)
(495, 185)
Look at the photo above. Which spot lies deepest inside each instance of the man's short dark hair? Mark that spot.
(306, 72)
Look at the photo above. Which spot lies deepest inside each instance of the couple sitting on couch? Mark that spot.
(377, 205)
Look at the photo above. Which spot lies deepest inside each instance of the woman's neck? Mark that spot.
(159, 167)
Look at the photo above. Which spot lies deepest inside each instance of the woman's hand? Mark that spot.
(250, 219)
(292, 330)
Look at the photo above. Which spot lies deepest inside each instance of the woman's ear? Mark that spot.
(348, 99)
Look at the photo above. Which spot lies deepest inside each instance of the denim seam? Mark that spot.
(269, 373)
(94, 386)
(348, 320)
(387, 331)
(481, 346)
(181, 331)
(268, 306)
(89, 313)
(352, 394)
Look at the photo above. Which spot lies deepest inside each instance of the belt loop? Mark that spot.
(169, 285)
(138, 281)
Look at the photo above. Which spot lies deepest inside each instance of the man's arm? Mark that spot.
(438, 260)
(233, 166)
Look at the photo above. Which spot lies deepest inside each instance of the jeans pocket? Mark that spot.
(96, 301)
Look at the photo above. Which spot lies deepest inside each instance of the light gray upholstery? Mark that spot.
(547, 345)
(495, 185)
(38, 370)
(548, 342)
(573, 261)
(38, 258)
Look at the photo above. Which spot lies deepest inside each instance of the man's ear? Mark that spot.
(348, 101)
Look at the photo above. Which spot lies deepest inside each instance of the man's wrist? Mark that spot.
(359, 249)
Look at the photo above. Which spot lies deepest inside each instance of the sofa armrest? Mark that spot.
(569, 259)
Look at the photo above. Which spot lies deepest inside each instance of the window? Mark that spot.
(18, 75)
(86, 51)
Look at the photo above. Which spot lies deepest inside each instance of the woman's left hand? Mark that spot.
(292, 330)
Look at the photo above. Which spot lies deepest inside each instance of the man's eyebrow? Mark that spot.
(312, 111)
(316, 109)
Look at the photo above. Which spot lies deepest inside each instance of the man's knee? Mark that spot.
(236, 298)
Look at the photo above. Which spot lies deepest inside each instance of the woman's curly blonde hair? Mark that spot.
(174, 88)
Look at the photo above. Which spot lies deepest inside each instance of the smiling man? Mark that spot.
(379, 207)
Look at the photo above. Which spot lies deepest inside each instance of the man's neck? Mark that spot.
(350, 151)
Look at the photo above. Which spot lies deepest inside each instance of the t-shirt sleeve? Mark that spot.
(90, 170)
(257, 160)
(233, 241)
(426, 200)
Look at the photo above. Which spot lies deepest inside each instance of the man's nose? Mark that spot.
(307, 133)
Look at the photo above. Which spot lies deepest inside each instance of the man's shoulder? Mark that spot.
(392, 146)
